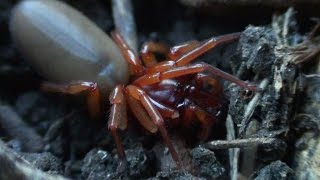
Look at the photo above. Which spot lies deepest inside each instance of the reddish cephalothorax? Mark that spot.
(69, 50)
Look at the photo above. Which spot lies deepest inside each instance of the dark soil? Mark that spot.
(55, 133)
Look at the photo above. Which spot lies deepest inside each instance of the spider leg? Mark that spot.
(153, 78)
(141, 115)
(156, 117)
(128, 54)
(183, 54)
(149, 48)
(77, 87)
(174, 53)
(179, 50)
(118, 120)
(206, 46)
(164, 110)
(204, 118)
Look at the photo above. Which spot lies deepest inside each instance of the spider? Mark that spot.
(83, 59)
(164, 90)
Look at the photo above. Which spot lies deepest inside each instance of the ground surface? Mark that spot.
(55, 134)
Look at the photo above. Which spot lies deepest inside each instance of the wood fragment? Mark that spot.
(251, 107)
(125, 22)
(234, 153)
(240, 143)
(13, 166)
(16, 128)
(270, 3)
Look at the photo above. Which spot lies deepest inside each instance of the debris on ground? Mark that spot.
(270, 134)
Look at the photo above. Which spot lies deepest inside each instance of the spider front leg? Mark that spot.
(183, 54)
(118, 120)
(191, 55)
(148, 51)
(78, 87)
(153, 78)
(132, 59)
(143, 117)
(148, 57)
(156, 117)
(179, 50)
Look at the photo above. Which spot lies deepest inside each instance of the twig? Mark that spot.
(14, 166)
(312, 75)
(125, 22)
(15, 127)
(243, 3)
(251, 107)
(286, 24)
(234, 153)
(240, 143)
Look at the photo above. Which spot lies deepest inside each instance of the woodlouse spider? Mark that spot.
(165, 89)
(76, 56)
